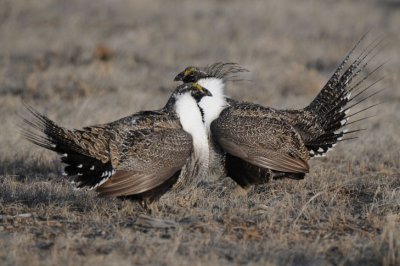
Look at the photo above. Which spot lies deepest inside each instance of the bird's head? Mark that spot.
(212, 77)
(191, 74)
(194, 89)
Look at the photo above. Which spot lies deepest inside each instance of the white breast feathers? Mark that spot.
(212, 105)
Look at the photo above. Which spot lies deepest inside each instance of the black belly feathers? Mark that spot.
(277, 145)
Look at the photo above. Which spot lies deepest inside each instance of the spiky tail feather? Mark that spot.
(85, 170)
(227, 71)
(330, 109)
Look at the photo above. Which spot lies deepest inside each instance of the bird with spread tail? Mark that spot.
(262, 143)
(139, 157)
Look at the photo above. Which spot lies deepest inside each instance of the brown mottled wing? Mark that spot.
(148, 158)
(261, 139)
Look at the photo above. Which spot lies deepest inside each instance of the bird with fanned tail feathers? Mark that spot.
(141, 156)
(261, 143)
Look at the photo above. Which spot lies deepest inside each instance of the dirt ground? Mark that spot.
(88, 62)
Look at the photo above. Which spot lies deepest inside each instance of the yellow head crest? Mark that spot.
(201, 89)
(188, 71)
(197, 86)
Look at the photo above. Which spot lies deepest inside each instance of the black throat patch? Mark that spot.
(202, 113)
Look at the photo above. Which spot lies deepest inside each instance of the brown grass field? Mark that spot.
(87, 62)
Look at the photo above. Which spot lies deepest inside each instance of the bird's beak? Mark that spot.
(179, 77)
(207, 92)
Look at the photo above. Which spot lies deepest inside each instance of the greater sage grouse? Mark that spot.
(141, 156)
(261, 142)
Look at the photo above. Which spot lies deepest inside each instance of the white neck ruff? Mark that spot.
(191, 120)
(212, 105)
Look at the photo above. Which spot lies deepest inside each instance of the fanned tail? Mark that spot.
(85, 169)
(329, 112)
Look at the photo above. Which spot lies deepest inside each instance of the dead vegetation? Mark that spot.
(84, 63)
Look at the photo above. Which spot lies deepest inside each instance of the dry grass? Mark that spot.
(84, 63)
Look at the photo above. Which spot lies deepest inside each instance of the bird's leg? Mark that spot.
(148, 206)
(143, 205)
(153, 207)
